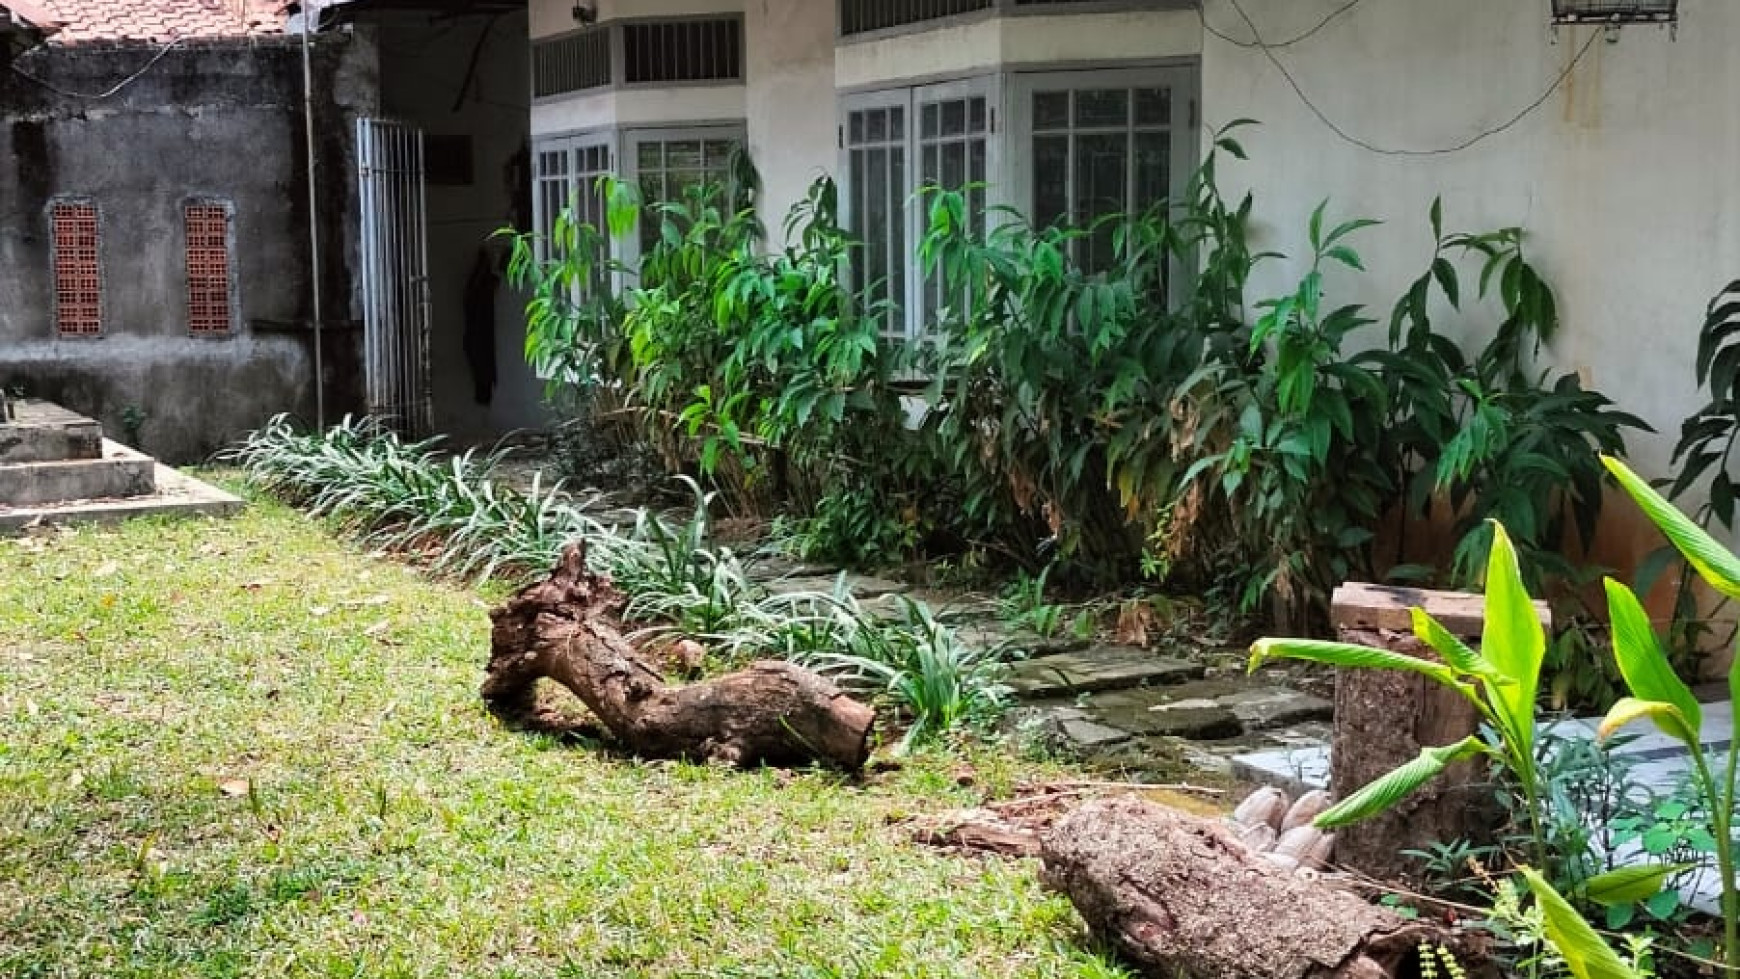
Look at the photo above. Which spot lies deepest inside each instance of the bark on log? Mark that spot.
(567, 628)
(1180, 896)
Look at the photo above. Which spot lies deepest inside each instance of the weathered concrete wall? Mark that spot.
(212, 120)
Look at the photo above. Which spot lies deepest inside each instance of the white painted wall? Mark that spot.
(638, 107)
(1624, 179)
(963, 48)
(791, 107)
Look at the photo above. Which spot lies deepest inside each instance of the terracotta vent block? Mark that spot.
(78, 296)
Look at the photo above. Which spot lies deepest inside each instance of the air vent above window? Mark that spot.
(571, 63)
(682, 51)
(863, 16)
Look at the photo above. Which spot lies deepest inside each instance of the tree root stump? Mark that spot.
(568, 628)
(1181, 896)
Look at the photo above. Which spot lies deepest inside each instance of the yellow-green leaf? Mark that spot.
(1455, 652)
(1585, 954)
(1347, 654)
(1386, 790)
(1513, 641)
(1642, 662)
(1714, 563)
(1628, 885)
(1665, 715)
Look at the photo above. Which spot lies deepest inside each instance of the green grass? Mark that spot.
(388, 825)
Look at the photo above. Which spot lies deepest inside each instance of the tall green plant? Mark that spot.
(1661, 697)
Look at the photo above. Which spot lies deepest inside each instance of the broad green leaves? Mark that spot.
(1346, 654)
(1515, 642)
(1645, 665)
(1387, 790)
(1586, 955)
(1714, 563)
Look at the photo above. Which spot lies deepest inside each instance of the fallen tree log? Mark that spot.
(1181, 896)
(568, 628)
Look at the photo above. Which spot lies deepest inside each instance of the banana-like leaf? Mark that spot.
(1628, 885)
(1665, 715)
(1715, 564)
(1514, 642)
(1455, 652)
(1641, 660)
(1347, 654)
(1385, 791)
(1585, 954)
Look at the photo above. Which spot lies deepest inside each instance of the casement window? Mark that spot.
(860, 17)
(206, 240)
(668, 163)
(1096, 143)
(662, 163)
(897, 144)
(567, 175)
(74, 264)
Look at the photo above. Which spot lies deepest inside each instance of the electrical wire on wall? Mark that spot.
(1268, 50)
(110, 92)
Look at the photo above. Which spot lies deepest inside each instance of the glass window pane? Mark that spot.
(855, 128)
(954, 165)
(897, 122)
(1153, 169)
(1102, 107)
(929, 171)
(1153, 106)
(718, 153)
(650, 156)
(875, 231)
(976, 161)
(876, 127)
(928, 124)
(976, 114)
(1100, 173)
(1050, 180)
(1050, 110)
(954, 118)
(683, 154)
(897, 240)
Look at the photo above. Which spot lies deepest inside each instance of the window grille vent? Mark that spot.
(863, 16)
(78, 305)
(1615, 11)
(572, 63)
(207, 227)
(682, 51)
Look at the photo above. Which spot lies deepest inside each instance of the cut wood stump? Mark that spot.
(1179, 895)
(1383, 718)
(568, 628)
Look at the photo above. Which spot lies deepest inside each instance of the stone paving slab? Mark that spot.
(994, 635)
(1098, 668)
(1152, 711)
(861, 587)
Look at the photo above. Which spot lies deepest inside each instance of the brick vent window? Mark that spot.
(208, 268)
(78, 300)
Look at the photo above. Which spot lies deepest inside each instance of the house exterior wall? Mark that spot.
(1622, 179)
(210, 120)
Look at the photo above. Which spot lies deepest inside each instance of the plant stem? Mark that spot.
(1721, 802)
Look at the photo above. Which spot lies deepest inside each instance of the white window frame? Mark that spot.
(632, 139)
(911, 100)
(1180, 79)
(573, 179)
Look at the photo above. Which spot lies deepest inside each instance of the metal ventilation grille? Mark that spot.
(78, 291)
(1615, 11)
(207, 227)
(571, 63)
(682, 51)
(862, 16)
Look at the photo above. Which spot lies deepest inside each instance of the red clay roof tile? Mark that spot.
(94, 21)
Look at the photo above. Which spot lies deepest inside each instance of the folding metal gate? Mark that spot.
(395, 274)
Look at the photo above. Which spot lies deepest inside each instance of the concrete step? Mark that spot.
(120, 472)
(177, 494)
(45, 432)
(1098, 669)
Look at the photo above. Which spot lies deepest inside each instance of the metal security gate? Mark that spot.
(395, 274)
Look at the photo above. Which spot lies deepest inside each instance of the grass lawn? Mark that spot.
(245, 749)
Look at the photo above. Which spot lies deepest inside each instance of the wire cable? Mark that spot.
(1325, 22)
(1364, 144)
(115, 90)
